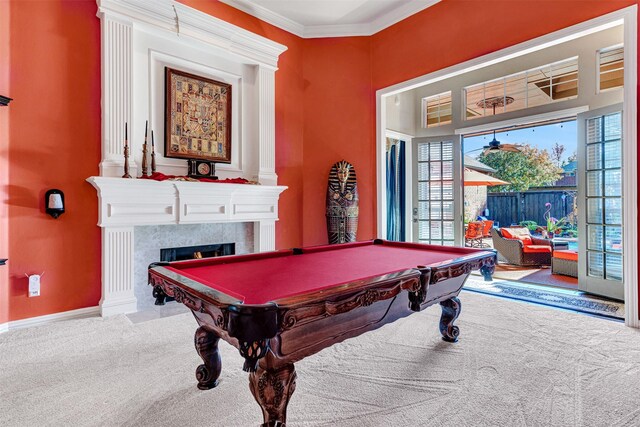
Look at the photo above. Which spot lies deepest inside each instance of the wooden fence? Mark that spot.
(512, 208)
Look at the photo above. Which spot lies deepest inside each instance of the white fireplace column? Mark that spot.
(116, 33)
(117, 271)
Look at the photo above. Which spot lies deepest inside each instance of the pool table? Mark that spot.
(279, 307)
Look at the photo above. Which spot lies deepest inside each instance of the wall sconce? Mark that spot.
(54, 202)
(4, 100)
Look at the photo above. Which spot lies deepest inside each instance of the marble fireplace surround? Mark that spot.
(139, 38)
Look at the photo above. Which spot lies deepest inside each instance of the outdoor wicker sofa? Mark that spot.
(526, 250)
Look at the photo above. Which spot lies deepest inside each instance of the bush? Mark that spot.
(531, 225)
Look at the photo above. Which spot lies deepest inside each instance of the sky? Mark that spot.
(541, 137)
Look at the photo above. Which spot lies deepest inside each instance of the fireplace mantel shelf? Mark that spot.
(131, 202)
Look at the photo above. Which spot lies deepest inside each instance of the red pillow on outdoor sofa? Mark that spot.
(517, 233)
(536, 248)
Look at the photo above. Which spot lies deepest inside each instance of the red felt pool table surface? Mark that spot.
(258, 280)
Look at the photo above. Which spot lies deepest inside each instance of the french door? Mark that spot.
(600, 190)
(437, 190)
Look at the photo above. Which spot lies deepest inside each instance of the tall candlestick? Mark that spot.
(153, 155)
(144, 150)
(126, 154)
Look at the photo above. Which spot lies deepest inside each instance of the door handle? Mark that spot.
(415, 214)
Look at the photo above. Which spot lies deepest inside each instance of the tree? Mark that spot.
(528, 168)
(573, 157)
(556, 153)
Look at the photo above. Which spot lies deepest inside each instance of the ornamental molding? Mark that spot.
(185, 21)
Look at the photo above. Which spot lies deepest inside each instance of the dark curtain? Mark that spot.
(396, 191)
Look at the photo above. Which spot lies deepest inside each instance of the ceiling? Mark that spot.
(331, 18)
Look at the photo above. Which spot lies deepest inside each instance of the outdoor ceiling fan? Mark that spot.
(496, 145)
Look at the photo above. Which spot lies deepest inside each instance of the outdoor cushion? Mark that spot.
(536, 248)
(566, 254)
(517, 233)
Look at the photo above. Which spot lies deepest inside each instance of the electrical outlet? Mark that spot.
(34, 285)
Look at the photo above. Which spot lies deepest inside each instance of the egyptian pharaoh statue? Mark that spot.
(342, 203)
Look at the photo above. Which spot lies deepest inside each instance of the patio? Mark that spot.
(540, 275)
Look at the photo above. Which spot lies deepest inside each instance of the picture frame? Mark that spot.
(197, 117)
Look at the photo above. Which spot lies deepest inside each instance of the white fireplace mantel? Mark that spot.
(130, 202)
(139, 39)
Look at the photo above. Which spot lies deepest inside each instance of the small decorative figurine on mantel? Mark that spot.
(342, 203)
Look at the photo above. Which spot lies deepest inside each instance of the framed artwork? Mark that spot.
(197, 117)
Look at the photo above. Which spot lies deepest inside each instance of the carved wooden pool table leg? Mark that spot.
(272, 388)
(450, 312)
(207, 374)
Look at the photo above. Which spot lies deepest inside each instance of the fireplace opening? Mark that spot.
(190, 252)
(195, 252)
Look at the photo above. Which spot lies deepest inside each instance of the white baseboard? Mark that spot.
(114, 306)
(49, 318)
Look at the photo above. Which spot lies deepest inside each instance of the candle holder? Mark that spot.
(126, 153)
(145, 151)
(144, 159)
(126, 162)
(153, 155)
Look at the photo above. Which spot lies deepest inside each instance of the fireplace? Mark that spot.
(151, 240)
(198, 251)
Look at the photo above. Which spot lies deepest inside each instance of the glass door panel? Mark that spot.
(600, 212)
(437, 191)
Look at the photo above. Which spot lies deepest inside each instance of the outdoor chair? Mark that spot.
(518, 247)
(487, 225)
(473, 234)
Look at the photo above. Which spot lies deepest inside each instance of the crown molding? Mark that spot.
(341, 30)
(400, 13)
(268, 16)
(183, 20)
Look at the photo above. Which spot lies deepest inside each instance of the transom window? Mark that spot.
(436, 110)
(611, 68)
(539, 86)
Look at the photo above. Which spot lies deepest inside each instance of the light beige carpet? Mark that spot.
(516, 364)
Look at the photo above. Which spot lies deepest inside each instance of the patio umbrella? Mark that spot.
(475, 178)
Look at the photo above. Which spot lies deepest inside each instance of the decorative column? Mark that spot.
(117, 271)
(117, 75)
(264, 235)
(266, 118)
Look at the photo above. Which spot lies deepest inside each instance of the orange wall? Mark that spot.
(5, 8)
(339, 110)
(54, 143)
(325, 111)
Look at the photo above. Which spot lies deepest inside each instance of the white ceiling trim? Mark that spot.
(319, 31)
(268, 16)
